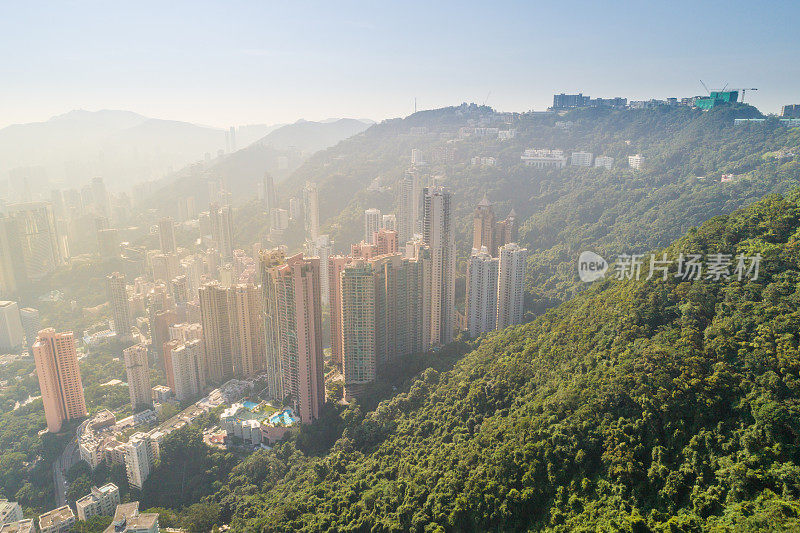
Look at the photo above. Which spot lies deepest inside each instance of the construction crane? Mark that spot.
(725, 88)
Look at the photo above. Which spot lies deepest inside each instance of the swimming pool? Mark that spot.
(284, 417)
(249, 405)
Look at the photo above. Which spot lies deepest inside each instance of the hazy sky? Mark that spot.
(232, 63)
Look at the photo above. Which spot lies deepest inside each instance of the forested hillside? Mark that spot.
(636, 406)
(564, 211)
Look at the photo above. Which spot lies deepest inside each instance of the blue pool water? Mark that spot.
(283, 417)
(249, 405)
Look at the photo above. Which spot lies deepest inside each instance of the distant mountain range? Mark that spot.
(280, 152)
(125, 148)
(309, 137)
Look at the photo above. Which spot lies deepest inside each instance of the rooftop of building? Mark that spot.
(22, 526)
(56, 516)
(127, 518)
(4, 504)
(97, 493)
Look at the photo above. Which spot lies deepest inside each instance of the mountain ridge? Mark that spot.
(638, 405)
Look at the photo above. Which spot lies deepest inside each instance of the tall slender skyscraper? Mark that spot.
(8, 274)
(270, 196)
(439, 236)
(31, 325)
(29, 244)
(372, 223)
(511, 285)
(186, 370)
(481, 292)
(180, 290)
(216, 332)
(11, 331)
(408, 200)
(166, 235)
(483, 227)
(247, 333)
(221, 220)
(321, 247)
(311, 210)
(100, 197)
(336, 264)
(269, 261)
(120, 307)
(359, 326)
(232, 137)
(59, 378)
(294, 313)
(184, 359)
(138, 372)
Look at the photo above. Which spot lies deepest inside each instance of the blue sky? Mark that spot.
(233, 63)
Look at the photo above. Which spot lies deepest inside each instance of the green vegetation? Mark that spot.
(97, 524)
(563, 212)
(26, 459)
(187, 470)
(103, 363)
(636, 406)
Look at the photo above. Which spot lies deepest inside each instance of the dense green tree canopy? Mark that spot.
(637, 405)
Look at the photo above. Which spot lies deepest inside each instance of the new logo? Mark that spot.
(591, 266)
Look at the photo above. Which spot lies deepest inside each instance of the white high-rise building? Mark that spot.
(31, 325)
(372, 223)
(11, 332)
(311, 210)
(389, 222)
(187, 371)
(137, 459)
(511, 285)
(482, 272)
(408, 200)
(166, 235)
(581, 159)
(100, 502)
(222, 230)
(29, 244)
(295, 208)
(279, 219)
(120, 306)
(439, 236)
(138, 376)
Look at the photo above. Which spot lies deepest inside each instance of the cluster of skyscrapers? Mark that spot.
(495, 273)
(224, 314)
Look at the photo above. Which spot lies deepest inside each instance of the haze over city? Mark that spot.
(384, 266)
(237, 63)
